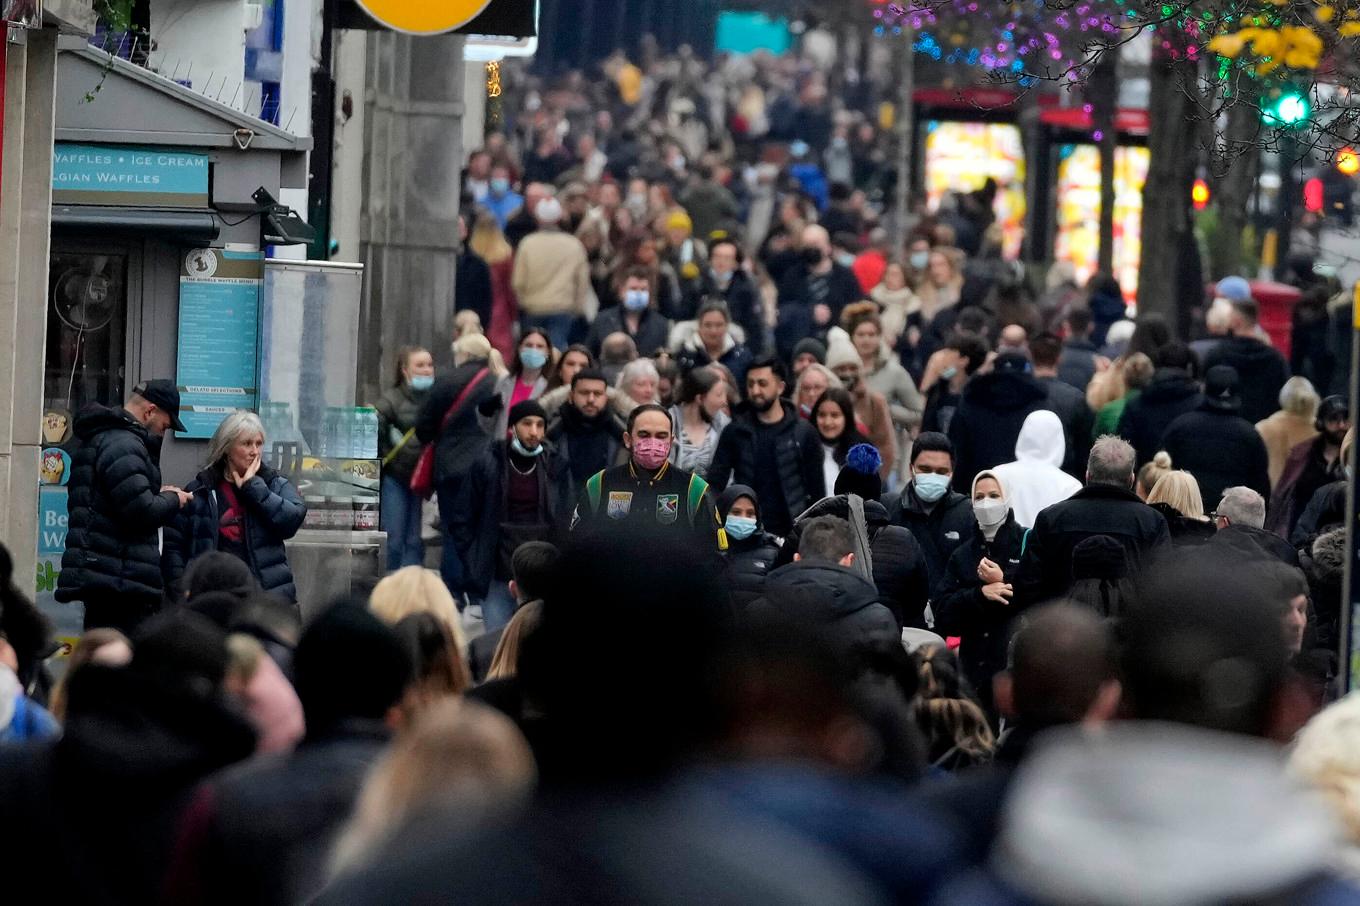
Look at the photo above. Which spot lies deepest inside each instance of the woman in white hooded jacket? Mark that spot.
(1036, 480)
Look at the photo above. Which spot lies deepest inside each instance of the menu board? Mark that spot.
(219, 325)
(1078, 215)
(960, 156)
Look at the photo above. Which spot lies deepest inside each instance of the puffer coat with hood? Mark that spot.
(1035, 479)
(749, 560)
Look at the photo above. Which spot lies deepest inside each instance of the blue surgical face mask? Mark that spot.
(919, 260)
(519, 448)
(500, 185)
(636, 299)
(422, 381)
(845, 259)
(949, 373)
(530, 357)
(931, 486)
(739, 528)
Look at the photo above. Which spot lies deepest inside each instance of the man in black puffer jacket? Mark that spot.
(820, 589)
(768, 447)
(988, 421)
(1216, 445)
(117, 507)
(898, 564)
(1172, 393)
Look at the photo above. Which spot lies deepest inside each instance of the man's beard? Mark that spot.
(765, 406)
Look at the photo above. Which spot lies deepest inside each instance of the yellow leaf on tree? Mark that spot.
(1349, 30)
(1325, 13)
(1230, 45)
(1266, 43)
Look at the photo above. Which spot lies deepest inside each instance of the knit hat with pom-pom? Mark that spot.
(859, 475)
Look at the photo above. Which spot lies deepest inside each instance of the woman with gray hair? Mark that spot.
(640, 382)
(240, 506)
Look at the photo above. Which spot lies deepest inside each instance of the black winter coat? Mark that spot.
(262, 832)
(477, 525)
(274, 512)
(1251, 543)
(749, 561)
(472, 286)
(939, 530)
(843, 606)
(798, 459)
(1261, 370)
(458, 445)
(653, 333)
(1077, 365)
(988, 422)
(743, 302)
(1222, 450)
(116, 513)
(1097, 509)
(961, 609)
(1147, 415)
(398, 412)
(587, 445)
(1077, 420)
(797, 318)
(1185, 532)
(1326, 510)
(899, 565)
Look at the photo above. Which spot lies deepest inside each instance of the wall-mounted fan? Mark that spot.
(84, 300)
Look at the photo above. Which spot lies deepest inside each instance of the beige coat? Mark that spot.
(551, 276)
(1283, 432)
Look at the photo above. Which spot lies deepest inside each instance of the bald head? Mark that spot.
(815, 236)
(1062, 663)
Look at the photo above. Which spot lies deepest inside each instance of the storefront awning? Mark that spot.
(187, 226)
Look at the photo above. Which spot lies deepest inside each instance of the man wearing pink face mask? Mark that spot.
(647, 493)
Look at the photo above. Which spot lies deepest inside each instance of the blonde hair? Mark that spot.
(457, 755)
(466, 322)
(1326, 756)
(231, 429)
(505, 662)
(488, 241)
(415, 589)
(1152, 471)
(1180, 491)
(1298, 397)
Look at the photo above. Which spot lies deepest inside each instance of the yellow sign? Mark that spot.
(424, 17)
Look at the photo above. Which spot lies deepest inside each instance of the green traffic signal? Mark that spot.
(1289, 109)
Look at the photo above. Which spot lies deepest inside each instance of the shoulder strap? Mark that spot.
(462, 397)
(595, 490)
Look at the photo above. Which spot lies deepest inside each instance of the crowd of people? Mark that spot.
(809, 568)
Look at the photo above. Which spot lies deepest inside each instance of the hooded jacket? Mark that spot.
(988, 421)
(273, 510)
(1073, 834)
(1261, 370)
(1221, 449)
(896, 560)
(1035, 479)
(1077, 420)
(116, 513)
(1097, 509)
(749, 560)
(798, 459)
(962, 610)
(842, 605)
(1171, 394)
(1305, 472)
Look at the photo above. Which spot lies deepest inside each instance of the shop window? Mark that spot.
(86, 330)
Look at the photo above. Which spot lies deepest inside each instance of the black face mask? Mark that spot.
(812, 257)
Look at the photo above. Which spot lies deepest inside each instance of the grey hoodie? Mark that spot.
(1154, 814)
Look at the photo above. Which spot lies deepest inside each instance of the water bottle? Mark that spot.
(368, 433)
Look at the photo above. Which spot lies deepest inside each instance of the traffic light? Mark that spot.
(1347, 162)
(1199, 194)
(1313, 195)
(1289, 110)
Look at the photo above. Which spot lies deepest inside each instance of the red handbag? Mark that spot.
(422, 479)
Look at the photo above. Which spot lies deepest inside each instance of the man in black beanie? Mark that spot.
(518, 491)
(260, 833)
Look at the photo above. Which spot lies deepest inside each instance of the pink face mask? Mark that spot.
(651, 452)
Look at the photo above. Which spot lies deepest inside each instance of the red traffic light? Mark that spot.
(1313, 195)
(1199, 194)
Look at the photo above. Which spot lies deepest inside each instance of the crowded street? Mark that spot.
(660, 452)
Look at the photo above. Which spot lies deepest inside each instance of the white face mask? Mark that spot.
(990, 511)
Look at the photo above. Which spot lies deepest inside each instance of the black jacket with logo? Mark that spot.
(628, 499)
(939, 530)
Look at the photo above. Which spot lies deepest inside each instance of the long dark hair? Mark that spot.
(403, 359)
(850, 436)
(517, 367)
(555, 379)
